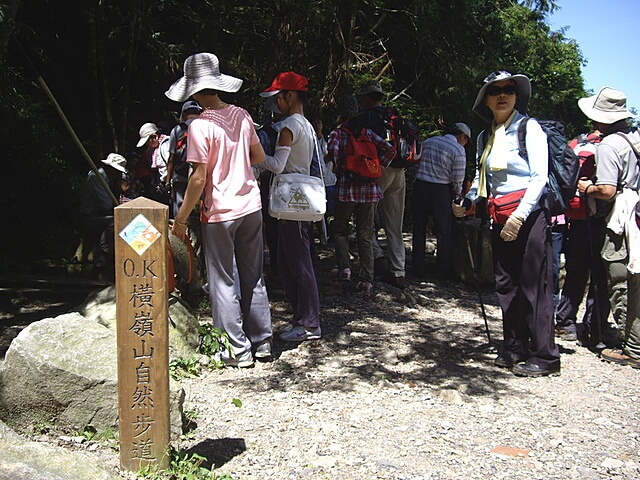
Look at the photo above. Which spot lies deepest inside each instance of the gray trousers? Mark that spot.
(239, 306)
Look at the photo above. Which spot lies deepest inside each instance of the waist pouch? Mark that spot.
(501, 207)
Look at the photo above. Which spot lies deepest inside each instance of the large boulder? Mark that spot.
(100, 307)
(63, 371)
(25, 460)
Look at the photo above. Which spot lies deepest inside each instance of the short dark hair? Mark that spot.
(302, 96)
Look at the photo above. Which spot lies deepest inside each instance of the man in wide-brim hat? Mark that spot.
(618, 180)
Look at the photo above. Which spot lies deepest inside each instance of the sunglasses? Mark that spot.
(494, 90)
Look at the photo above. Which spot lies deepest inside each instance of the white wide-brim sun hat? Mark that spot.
(607, 106)
(202, 71)
(522, 99)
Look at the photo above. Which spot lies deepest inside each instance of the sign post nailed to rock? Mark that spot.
(141, 233)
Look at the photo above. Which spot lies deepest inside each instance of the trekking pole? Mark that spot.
(596, 293)
(476, 279)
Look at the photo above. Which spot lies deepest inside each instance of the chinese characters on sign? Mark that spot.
(142, 334)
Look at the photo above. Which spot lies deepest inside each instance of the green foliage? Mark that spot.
(109, 64)
(191, 414)
(213, 340)
(92, 434)
(237, 402)
(184, 368)
(184, 467)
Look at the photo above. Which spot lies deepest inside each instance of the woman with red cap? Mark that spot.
(294, 152)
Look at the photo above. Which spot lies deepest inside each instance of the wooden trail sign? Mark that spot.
(141, 242)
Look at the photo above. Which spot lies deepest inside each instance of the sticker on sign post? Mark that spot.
(140, 234)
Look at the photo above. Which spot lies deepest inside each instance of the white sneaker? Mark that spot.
(244, 360)
(263, 350)
(300, 334)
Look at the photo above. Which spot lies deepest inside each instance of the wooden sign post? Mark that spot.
(141, 241)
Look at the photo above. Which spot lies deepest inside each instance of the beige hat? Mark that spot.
(607, 106)
(146, 131)
(116, 161)
(522, 99)
(202, 71)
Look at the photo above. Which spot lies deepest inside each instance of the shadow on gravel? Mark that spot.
(432, 333)
(218, 451)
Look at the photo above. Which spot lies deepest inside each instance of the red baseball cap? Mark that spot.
(287, 81)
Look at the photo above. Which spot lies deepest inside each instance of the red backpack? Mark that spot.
(362, 162)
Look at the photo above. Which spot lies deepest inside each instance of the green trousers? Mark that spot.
(624, 292)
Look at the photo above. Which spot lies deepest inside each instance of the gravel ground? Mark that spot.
(402, 386)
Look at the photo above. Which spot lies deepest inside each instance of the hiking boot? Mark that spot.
(300, 334)
(398, 282)
(617, 355)
(345, 275)
(529, 369)
(263, 350)
(508, 360)
(244, 360)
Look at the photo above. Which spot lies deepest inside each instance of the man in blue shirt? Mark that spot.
(438, 180)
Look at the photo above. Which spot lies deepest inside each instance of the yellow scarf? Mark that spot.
(497, 142)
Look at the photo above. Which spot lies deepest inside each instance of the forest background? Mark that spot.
(108, 64)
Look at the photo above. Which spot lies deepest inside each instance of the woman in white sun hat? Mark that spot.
(222, 146)
(521, 240)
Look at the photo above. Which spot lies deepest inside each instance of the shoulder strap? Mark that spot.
(522, 138)
(633, 147)
(627, 166)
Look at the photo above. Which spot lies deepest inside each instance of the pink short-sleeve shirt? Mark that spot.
(222, 139)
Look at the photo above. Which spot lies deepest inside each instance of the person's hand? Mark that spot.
(583, 184)
(510, 230)
(179, 229)
(459, 208)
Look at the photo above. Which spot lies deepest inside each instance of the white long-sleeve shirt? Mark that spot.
(531, 174)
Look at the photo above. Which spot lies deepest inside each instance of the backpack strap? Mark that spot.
(633, 147)
(627, 166)
(522, 138)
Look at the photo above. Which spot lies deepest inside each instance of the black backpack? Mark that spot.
(180, 165)
(564, 165)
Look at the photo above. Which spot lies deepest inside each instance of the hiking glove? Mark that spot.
(510, 230)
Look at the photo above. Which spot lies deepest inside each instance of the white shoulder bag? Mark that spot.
(298, 197)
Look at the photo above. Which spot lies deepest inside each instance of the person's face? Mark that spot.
(317, 126)
(283, 100)
(153, 141)
(500, 98)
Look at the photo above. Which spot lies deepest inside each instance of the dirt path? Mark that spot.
(402, 387)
